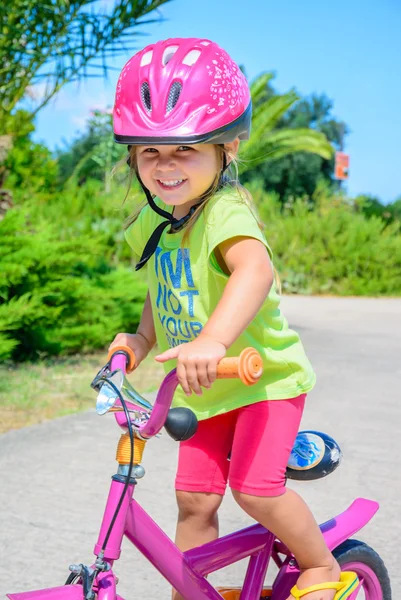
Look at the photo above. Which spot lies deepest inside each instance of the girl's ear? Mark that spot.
(231, 149)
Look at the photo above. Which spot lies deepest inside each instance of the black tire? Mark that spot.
(356, 551)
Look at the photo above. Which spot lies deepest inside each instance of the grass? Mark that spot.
(35, 392)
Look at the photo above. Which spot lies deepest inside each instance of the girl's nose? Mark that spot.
(165, 163)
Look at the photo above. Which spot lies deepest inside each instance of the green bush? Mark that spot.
(60, 292)
(331, 248)
(67, 282)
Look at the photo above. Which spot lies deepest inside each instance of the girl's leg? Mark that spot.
(263, 440)
(197, 521)
(201, 482)
(289, 518)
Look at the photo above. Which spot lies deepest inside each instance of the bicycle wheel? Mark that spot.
(357, 556)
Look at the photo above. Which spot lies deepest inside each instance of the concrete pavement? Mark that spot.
(55, 476)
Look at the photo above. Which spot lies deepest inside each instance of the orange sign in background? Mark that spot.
(341, 165)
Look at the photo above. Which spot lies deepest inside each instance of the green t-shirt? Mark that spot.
(185, 286)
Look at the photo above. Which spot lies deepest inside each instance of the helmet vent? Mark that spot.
(146, 58)
(173, 96)
(168, 54)
(191, 58)
(145, 95)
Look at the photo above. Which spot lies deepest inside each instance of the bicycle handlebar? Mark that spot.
(248, 367)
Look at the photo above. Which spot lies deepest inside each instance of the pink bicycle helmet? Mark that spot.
(181, 90)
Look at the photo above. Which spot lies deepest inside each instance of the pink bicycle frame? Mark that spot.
(187, 571)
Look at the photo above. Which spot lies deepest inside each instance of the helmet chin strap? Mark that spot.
(175, 224)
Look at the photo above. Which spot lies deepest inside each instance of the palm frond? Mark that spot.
(62, 39)
(259, 85)
(280, 143)
(269, 140)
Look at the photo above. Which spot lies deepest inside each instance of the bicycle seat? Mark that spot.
(314, 455)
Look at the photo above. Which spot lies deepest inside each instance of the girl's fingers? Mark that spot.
(192, 378)
(168, 355)
(120, 340)
(203, 375)
(182, 378)
(212, 371)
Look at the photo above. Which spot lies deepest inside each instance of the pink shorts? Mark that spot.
(259, 437)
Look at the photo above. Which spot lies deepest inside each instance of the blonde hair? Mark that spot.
(227, 180)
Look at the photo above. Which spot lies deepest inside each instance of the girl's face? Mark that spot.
(178, 175)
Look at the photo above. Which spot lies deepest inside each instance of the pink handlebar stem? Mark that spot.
(161, 406)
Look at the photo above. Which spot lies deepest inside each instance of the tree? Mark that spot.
(371, 206)
(296, 174)
(93, 154)
(54, 42)
(29, 166)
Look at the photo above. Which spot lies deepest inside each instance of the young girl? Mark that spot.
(182, 106)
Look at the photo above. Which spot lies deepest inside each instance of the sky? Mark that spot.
(349, 50)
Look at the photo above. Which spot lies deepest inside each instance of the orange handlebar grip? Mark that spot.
(228, 368)
(128, 351)
(248, 367)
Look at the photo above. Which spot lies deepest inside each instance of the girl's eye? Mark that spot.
(150, 150)
(184, 148)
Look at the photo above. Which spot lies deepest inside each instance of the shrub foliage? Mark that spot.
(67, 282)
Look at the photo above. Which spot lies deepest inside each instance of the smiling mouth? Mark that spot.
(170, 184)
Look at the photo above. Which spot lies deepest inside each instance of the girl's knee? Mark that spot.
(245, 501)
(197, 504)
(253, 504)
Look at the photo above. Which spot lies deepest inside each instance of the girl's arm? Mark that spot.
(144, 339)
(251, 277)
(248, 262)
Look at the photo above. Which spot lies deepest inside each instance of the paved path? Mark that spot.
(54, 476)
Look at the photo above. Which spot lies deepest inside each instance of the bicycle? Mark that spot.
(314, 455)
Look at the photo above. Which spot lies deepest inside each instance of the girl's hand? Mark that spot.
(137, 342)
(196, 362)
